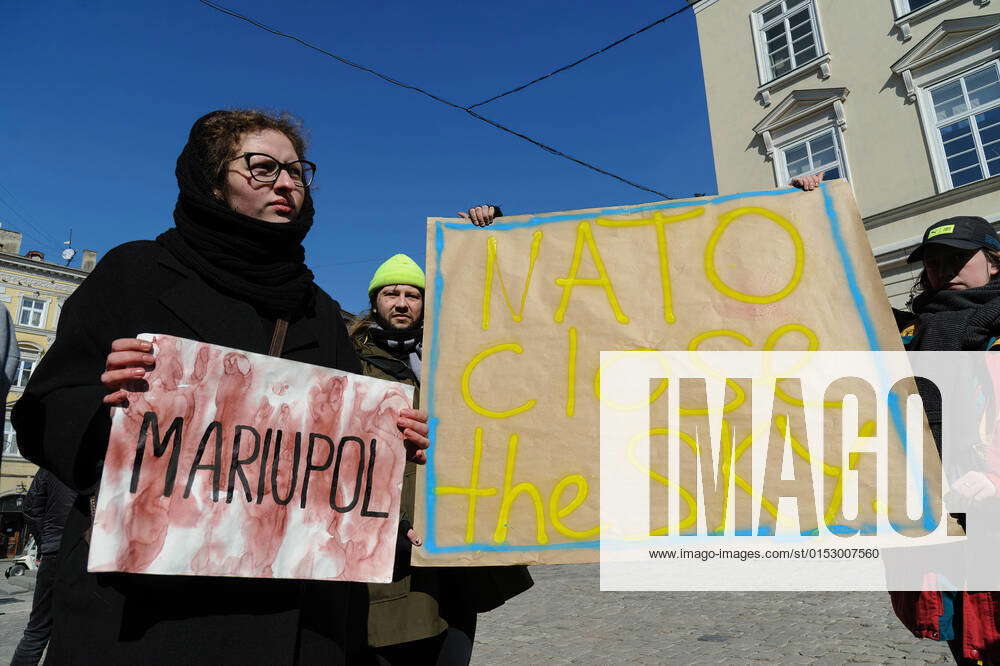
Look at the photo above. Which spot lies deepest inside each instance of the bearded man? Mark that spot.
(426, 615)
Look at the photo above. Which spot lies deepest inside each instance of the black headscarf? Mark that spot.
(261, 263)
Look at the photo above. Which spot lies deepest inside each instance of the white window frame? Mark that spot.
(903, 7)
(10, 449)
(29, 354)
(781, 174)
(43, 316)
(760, 43)
(931, 125)
(906, 16)
(24, 363)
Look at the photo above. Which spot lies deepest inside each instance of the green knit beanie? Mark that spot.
(397, 269)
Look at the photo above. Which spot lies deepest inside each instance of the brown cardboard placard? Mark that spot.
(519, 312)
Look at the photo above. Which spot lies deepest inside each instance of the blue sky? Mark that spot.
(100, 97)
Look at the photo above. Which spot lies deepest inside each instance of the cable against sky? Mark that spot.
(467, 109)
(352, 262)
(46, 240)
(662, 19)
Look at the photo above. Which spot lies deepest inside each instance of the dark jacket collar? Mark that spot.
(223, 320)
(388, 363)
(214, 317)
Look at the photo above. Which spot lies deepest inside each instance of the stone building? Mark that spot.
(34, 291)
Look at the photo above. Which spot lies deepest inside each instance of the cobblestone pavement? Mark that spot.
(565, 619)
(15, 604)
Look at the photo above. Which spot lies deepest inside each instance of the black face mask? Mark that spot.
(261, 263)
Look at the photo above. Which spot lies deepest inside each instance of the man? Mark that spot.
(45, 509)
(11, 354)
(388, 338)
(10, 357)
(427, 615)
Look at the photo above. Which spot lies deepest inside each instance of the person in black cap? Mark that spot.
(958, 253)
(956, 307)
(956, 298)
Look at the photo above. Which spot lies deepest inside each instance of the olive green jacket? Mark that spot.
(413, 606)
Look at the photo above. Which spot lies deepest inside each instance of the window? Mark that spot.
(24, 369)
(788, 37)
(904, 7)
(804, 134)
(32, 312)
(952, 75)
(910, 12)
(913, 5)
(820, 152)
(966, 112)
(10, 440)
(29, 359)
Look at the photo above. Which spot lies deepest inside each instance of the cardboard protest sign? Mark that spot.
(240, 464)
(518, 315)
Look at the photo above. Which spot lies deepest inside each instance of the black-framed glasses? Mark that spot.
(266, 169)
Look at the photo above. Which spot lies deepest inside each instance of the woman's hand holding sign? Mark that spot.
(808, 183)
(974, 486)
(131, 358)
(413, 423)
(128, 361)
(481, 216)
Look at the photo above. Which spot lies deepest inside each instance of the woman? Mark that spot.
(231, 273)
(957, 308)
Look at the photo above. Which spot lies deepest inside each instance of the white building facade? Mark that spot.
(900, 97)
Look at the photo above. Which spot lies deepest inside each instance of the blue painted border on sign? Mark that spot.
(430, 499)
(895, 406)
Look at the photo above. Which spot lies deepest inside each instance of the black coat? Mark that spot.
(45, 509)
(62, 426)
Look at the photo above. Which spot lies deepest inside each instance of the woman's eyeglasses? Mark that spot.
(266, 169)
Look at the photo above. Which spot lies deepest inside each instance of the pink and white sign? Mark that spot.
(240, 464)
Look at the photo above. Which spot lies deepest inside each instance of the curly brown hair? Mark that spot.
(223, 131)
(923, 284)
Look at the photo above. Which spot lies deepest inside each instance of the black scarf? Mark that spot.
(952, 321)
(406, 344)
(261, 263)
(956, 320)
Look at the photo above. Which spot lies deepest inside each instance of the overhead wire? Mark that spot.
(466, 109)
(659, 21)
(349, 63)
(45, 240)
(362, 261)
(43, 234)
(559, 153)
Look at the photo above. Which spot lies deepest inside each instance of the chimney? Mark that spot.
(89, 260)
(10, 241)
